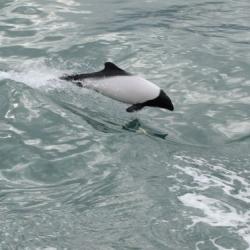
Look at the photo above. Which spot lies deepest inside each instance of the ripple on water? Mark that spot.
(78, 172)
(28, 10)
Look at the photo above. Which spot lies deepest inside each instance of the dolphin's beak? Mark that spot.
(168, 103)
(171, 106)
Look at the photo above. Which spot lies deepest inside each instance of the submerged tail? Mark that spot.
(73, 79)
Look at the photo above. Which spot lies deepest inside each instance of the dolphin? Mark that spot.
(123, 86)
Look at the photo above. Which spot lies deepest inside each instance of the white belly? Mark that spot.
(127, 89)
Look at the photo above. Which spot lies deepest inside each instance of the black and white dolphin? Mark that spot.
(122, 86)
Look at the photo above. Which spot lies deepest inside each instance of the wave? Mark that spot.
(35, 75)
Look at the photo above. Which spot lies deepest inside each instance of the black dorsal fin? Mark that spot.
(109, 66)
(111, 69)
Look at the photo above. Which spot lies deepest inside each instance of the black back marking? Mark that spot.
(110, 69)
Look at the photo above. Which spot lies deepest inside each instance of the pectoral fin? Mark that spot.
(134, 107)
(79, 84)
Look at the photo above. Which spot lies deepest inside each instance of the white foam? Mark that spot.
(203, 178)
(218, 213)
(233, 129)
(4, 75)
(35, 75)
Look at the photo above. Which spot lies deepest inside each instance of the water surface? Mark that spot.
(78, 172)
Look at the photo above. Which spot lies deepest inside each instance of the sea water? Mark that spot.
(78, 172)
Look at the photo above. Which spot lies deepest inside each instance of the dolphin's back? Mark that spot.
(109, 70)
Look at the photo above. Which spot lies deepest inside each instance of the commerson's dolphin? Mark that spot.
(122, 86)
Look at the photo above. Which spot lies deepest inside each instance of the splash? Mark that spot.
(218, 214)
(35, 75)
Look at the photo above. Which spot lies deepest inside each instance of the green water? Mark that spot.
(78, 172)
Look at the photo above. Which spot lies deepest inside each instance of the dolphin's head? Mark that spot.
(165, 102)
(162, 101)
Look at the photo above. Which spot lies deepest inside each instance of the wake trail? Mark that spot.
(34, 76)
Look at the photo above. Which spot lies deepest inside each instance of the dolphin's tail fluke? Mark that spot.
(73, 79)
